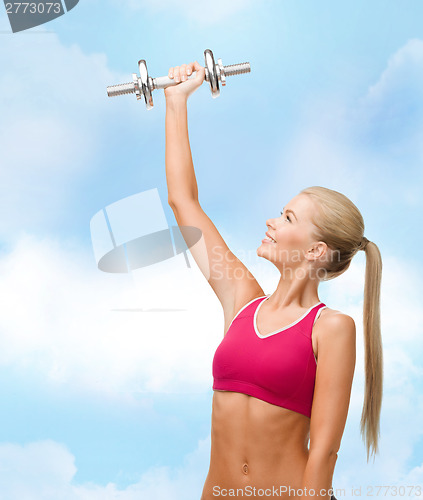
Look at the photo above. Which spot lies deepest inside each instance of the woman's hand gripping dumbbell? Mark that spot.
(214, 74)
(187, 81)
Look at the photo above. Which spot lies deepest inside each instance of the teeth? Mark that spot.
(270, 239)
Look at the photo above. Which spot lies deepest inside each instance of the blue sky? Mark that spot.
(99, 403)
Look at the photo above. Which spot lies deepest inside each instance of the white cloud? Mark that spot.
(57, 321)
(415, 477)
(54, 104)
(401, 82)
(374, 141)
(36, 470)
(389, 117)
(45, 470)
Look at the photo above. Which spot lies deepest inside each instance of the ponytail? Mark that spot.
(373, 354)
(339, 223)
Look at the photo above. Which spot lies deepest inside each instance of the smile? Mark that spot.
(268, 240)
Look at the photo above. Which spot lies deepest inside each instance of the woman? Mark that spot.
(284, 369)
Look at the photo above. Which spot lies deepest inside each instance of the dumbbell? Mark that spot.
(144, 85)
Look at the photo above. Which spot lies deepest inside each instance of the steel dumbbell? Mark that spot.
(144, 85)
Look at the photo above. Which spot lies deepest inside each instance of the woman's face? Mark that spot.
(292, 232)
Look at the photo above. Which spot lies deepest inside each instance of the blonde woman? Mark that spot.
(283, 372)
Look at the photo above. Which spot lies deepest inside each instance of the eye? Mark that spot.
(287, 217)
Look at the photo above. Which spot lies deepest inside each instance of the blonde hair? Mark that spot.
(340, 225)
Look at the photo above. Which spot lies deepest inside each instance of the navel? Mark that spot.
(245, 468)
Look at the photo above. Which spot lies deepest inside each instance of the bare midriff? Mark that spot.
(255, 444)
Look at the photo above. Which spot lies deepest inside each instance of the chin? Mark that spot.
(260, 252)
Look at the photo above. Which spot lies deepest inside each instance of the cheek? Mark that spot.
(291, 237)
(293, 243)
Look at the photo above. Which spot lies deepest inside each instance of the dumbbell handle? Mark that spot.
(162, 82)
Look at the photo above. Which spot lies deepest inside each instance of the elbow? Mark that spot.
(323, 461)
(187, 200)
(172, 203)
(323, 454)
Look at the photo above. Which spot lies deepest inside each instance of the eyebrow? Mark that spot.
(289, 210)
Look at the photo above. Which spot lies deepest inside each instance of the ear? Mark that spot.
(317, 251)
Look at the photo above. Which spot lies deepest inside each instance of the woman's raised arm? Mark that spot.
(232, 282)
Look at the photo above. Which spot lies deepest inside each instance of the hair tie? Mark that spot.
(363, 243)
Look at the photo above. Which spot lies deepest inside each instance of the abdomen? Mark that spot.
(254, 443)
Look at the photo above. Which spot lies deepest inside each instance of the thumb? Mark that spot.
(200, 70)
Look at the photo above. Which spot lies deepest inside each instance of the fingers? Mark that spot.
(181, 73)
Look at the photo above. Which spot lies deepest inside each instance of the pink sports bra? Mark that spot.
(279, 368)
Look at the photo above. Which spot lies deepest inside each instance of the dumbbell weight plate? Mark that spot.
(221, 72)
(212, 73)
(146, 84)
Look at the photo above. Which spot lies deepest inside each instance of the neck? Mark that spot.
(301, 293)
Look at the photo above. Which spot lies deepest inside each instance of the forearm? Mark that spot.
(180, 176)
(318, 476)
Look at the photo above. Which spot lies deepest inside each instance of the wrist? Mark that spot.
(176, 100)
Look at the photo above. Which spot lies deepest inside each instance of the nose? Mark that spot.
(269, 223)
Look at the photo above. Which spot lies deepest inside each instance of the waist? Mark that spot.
(245, 428)
(275, 475)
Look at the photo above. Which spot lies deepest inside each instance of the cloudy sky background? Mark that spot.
(102, 403)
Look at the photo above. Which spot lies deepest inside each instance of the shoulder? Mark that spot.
(335, 337)
(333, 318)
(334, 323)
